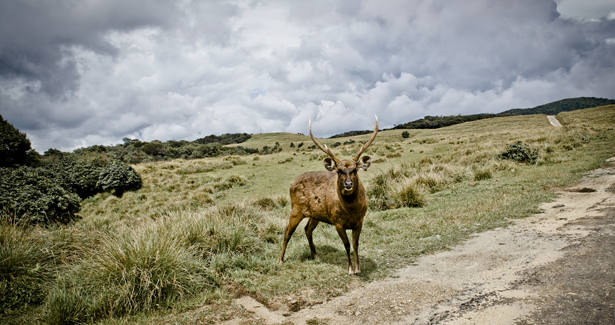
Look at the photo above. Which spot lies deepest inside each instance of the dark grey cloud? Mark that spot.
(76, 73)
(36, 37)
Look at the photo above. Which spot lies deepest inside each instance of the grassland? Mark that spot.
(202, 231)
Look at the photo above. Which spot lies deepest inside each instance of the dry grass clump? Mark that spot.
(198, 166)
(482, 173)
(135, 269)
(410, 193)
(230, 182)
(235, 160)
(269, 203)
(407, 186)
(25, 267)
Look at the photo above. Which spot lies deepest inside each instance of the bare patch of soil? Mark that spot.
(556, 267)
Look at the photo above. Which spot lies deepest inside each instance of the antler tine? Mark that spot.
(368, 143)
(323, 148)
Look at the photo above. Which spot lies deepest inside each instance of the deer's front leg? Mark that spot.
(342, 233)
(355, 246)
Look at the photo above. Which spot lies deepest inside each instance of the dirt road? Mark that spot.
(557, 267)
(554, 121)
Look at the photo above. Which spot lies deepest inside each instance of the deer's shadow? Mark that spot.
(337, 256)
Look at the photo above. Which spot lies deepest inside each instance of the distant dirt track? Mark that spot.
(553, 120)
(557, 267)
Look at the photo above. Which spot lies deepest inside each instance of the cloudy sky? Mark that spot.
(75, 73)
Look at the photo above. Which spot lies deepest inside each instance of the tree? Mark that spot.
(15, 148)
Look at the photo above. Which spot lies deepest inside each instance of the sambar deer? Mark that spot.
(336, 197)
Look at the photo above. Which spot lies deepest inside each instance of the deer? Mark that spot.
(336, 197)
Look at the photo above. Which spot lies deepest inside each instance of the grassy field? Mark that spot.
(201, 232)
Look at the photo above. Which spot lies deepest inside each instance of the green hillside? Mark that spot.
(554, 108)
(564, 105)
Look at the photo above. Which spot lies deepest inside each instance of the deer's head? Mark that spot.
(347, 177)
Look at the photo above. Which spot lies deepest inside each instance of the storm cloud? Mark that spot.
(78, 73)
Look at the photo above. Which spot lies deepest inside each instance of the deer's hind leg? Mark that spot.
(309, 228)
(293, 222)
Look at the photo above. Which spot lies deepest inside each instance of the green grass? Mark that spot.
(202, 231)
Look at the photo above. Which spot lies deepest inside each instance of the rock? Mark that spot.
(558, 206)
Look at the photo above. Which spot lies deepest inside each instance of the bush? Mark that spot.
(520, 153)
(120, 178)
(405, 134)
(32, 198)
(207, 150)
(75, 176)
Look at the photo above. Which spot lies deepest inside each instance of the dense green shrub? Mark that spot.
(405, 135)
(120, 178)
(227, 138)
(520, 152)
(30, 197)
(154, 148)
(76, 176)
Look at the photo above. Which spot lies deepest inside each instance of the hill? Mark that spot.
(554, 108)
(435, 122)
(564, 105)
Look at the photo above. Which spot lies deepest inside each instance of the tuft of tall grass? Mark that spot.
(230, 182)
(482, 173)
(25, 267)
(410, 193)
(406, 186)
(135, 270)
(269, 203)
(201, 167)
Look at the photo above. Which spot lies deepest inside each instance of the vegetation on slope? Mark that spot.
(564, 105)
(200, 232)
(554, 108)
(435, 122)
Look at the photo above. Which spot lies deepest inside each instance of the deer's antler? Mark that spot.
(323, 148)
(358, 155)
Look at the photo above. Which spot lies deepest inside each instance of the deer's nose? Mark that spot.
(348, 183)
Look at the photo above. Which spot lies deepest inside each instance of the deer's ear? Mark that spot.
(365, 162)
(329, 164)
